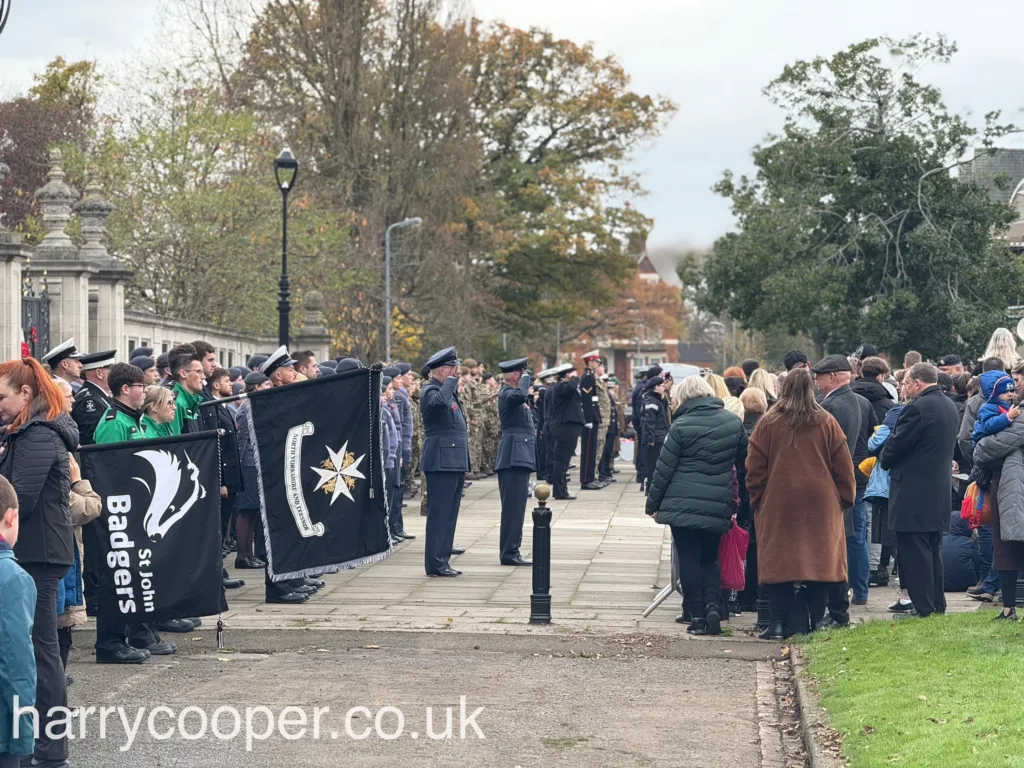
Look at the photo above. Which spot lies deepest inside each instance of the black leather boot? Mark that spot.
(773, 631)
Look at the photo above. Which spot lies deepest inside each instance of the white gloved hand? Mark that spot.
(589, 426)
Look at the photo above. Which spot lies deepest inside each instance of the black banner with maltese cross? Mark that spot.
(317, 446)
(159, 531)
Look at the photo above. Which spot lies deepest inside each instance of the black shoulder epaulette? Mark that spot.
(112, 415)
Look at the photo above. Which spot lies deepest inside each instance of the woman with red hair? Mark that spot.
(34, 453)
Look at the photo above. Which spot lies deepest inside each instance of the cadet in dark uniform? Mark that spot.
(591, 423)
(517, 457)
(94, 397)
(566, 426)
(445, 459)
(546, 472)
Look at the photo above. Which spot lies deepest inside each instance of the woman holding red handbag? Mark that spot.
(691, 490)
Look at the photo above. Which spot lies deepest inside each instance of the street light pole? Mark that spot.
(286, 171)
(414, 222)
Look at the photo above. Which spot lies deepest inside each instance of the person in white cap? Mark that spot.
(93, 398)
(65, 363)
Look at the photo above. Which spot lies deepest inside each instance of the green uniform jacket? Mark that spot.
(186, 410)
(156, 428)
(692, 485)
(119, 424)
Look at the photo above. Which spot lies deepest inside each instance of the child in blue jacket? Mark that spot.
(17, 658)
(998, 410)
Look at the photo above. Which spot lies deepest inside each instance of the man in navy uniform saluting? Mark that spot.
(517, 457)
(445, 459)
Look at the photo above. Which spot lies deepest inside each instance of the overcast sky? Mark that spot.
(712, 57)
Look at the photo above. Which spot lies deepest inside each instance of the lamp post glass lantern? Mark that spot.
(286, 171)
(414, 222)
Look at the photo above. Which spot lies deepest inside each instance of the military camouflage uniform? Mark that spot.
(474, 415)
(604, 405)
(413, 483)
(491, 430)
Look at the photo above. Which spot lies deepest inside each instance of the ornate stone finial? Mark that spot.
(56, 199)
(313, 304)
(94, 211)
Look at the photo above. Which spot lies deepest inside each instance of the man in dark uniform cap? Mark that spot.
(94, 397)
(566, 426)
(517, 457)
(445, 459)
(66, 363)
(591, 424)
(147, 365)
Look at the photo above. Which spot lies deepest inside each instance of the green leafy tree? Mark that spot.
(853, 228)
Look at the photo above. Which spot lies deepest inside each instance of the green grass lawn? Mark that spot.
(944, 691)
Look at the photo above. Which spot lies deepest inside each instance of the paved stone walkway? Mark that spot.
(609, 560)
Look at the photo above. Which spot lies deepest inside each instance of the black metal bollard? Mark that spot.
(540, 600)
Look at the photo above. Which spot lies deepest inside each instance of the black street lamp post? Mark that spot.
(286, 171)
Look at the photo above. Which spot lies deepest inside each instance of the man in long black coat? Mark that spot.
(919, 458)
(517, 458)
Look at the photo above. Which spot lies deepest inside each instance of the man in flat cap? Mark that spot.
(591, 423)
(517, 457)
(445, 459)
(66, 363)
(858, 421)
(93, 399)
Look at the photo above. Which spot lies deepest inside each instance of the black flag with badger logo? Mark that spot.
(160, 526)
(317, 447)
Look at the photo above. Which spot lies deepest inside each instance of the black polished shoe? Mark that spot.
(196, 621)
(176, 625)
(233, 583)
(458, 550)
(829, 623)
(591, 486)
(517, 560)
(445, 572)
(248, 563)
(565, 498)
(697, 627)
(124, 655)
(305, 589)
(162, 648)
(773, 631)
(681, 619)
(406, 536)
(288, 598)
(318, 583)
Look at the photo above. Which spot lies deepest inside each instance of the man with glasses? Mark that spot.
(189, 380)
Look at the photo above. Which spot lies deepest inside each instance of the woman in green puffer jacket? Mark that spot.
(693, 491)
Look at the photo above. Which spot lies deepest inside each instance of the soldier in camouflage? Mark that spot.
(604, 405)
(473, 401)
(492, 423)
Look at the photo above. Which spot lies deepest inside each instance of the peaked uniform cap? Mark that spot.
(62, 352)
(278, 359)
(442, 358)
(98, 360)
(511, 366)
(592, 355)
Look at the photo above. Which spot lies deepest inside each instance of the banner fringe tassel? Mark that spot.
(220, 633)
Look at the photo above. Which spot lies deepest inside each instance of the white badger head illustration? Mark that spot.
(162, 514)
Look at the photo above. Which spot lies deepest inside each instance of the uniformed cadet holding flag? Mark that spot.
(517, 457)
(445, 459)
(118, 643)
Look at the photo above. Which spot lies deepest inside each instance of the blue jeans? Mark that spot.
(857, 550)
(988, 568)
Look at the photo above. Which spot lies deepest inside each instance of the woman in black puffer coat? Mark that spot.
(692, 491)
(34, 457)
(654, 426)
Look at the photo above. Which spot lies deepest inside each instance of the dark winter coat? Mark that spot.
(919, 457)
(856, 418)
(961, 560)
(875, 393)
(219, 416)
(692, 485)
(35, 460)
(654, 422)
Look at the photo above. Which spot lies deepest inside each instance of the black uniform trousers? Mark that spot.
(920, 564)
(112, 636)
(548, 467)
(51, 690)
(565, 437)
(396, 522)
(92, 564)
(604, 466)
(638, 456)
(650, 460)
(588, 455)
(444, 497)
(514, 488)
